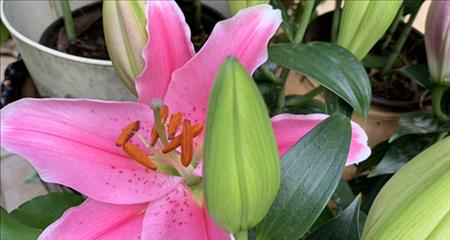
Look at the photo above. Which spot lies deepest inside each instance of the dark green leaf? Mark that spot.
(418, 73)
(332, 66)
(334, 104)
(325, 216)
(419, 123)
(308, 107)
(344, 226)
(11, 229)
(310, 173)
(378, 153)
(288, 25)
(411, 6)
(401, 151)
(44, 210)
(343, 196)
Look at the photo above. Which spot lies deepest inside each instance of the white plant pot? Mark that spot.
(58, 74)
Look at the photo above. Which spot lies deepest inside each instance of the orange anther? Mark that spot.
(174, 124)
(138, 155)
(187, 150)
(154, 136)
(127, 133)
(176, 142)
(163, 114)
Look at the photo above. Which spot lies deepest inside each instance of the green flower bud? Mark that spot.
(414, 203)
(124, 24)
(241, 167)
(363, 23)
(236, 5)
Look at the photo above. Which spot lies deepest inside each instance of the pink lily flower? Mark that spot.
(99, 149)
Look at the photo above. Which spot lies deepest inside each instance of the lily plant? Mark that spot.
(140, 164)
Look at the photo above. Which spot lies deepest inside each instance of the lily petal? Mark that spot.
(178, 216)
(168, 48)
(290, 128)
(244, 36)
(72, 142)
(97, 220)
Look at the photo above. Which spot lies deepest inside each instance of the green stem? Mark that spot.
(243, 235)
(298, 100)
(68, 20)
(303, 21)
(398, 46)
(198, 13)
(336, 17)
(436, 95)
(269, 74)
(280, 94)
(398, 18)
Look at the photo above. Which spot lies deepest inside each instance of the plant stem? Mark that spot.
(398, 46)
(68, 20)
(198, 13)
(398, 18)
(269, 74)
(303, 21)
(243, 235)
(336, 18)
(297, 100)
(436, 95)
(280, 92)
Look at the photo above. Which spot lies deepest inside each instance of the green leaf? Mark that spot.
(311, 171)
(11, 229)
(325, 216)
(401, 151)
(307, 107)
(413, 204)
(241, 173)
(373, 61)
(332, 66)
(334, 104)
(343, 196)
(419, 123)
(288, 25)
(411, 6)
(344, 226)
(43, 210)
(418, 73)
(4, 33)
(377, 155)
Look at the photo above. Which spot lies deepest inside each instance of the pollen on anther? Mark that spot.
(186, 143)
(127, 133)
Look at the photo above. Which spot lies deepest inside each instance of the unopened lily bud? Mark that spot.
(363, 23)
(124, 26)
(236, 5)
(437, 42)
(241, 165)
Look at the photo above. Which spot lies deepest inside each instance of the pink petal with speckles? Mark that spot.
(97, 220)
(290, 128)
(168, 48)
(178, 216)
(244, 36)
(72, 142)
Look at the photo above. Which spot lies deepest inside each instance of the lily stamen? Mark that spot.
(176, 142)
(174, 124)
(186, 143)
(138, 155)
(127, 133)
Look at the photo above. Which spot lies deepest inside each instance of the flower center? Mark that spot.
(170, 145)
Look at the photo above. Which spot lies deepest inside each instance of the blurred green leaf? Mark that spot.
(308, 107)
(401, 151)
(11, 229)
(4, 33)
(419, 123)
(311, 171)
(413, 204)
(344, 226)
(418, 73)
(343, 195)
(373, 61)
(378, 153)
(334, 67)
(288, 25)
(325, 216)
(43, 210)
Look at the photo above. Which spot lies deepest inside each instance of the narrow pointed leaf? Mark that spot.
(242, 168)
(44, 210)
(344, 226)
(419, 123)
(310, 173)
(413, 204)
(332, 66)
(418, 73)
